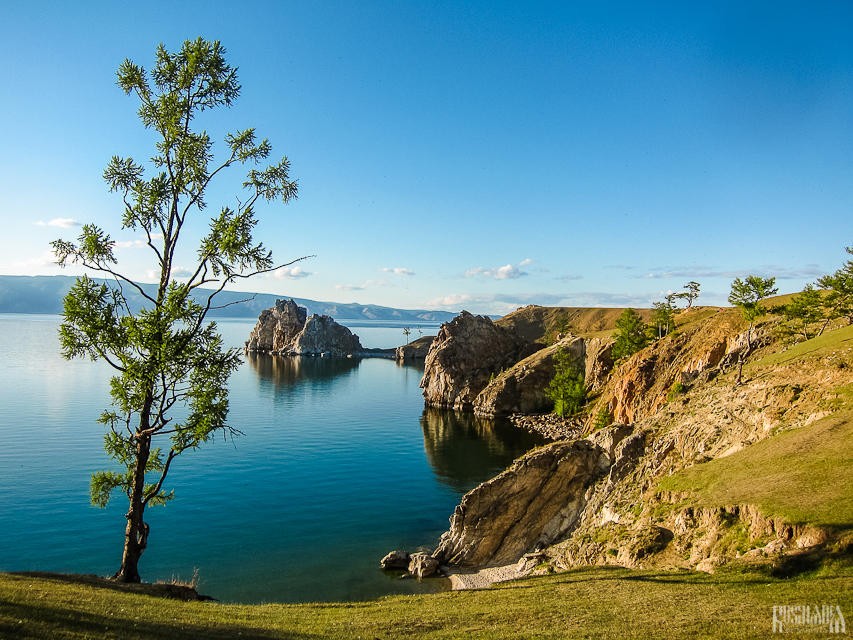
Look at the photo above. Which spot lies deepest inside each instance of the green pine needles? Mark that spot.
(169, 393)
(631, 335)
(567, 388)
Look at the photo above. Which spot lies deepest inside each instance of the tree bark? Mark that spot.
(136, 532)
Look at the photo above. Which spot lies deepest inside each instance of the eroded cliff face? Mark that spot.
(462, 358)
(640, 387)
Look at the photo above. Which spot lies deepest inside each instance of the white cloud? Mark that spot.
(181, 273)
(766, 271)
(352, 287)
(293, 273)
(60, 222)
(509, 272)
(46, 260)
(399, 271)
(130, 244)
(570, 277)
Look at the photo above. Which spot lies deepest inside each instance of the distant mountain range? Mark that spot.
(44, 294)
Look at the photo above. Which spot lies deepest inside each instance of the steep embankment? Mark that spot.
(702, 472)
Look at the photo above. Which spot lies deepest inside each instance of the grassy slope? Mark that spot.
(804, 475)
(596, 602)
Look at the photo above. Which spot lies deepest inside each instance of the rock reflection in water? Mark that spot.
(464, 449)
(288, 372)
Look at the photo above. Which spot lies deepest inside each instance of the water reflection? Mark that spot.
(286, 372)
(463, 449)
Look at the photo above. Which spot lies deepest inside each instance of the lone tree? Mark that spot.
(691, 294)
(663, 318)
(166, 355)
(747, 296)
(804, 310)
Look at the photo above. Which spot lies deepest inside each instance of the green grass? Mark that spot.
(596, 602)
(838, 342)
(804, 475)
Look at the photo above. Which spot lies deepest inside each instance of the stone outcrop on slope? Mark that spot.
(285, 330)
(463, 357)
(532, 503)
(523, 387)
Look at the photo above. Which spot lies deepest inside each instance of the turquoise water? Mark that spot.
(339, 464)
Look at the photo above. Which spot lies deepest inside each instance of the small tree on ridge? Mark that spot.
(747, 296)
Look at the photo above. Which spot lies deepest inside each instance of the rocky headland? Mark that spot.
(629, 491)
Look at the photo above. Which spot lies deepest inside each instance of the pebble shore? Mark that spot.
(549, 425)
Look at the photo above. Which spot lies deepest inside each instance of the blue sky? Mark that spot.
(476, 155)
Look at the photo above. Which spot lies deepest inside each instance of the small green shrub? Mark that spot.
(603, 418)
(674, 390)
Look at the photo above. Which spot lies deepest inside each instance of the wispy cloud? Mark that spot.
(357, 287)
(569, 277)
(180, 272)
(60, 222)
(46, 260)
(503, 303)
(293, 273)
(399, 271)
(130, 244)
(509, 272)
(765, 271)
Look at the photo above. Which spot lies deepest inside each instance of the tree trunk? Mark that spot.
(136, 532)
(741, 356)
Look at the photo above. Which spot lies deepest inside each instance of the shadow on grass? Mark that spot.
(160, 590)
(19, 621)
(55, 618)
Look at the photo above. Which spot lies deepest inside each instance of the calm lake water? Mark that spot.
(339, 465)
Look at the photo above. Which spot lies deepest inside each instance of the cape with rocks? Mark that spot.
(617, 487)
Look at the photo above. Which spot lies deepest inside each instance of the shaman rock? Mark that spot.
(462, 358)
(277, 326)
(321, 334)
(531, 504)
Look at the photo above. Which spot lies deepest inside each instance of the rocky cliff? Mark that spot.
(285, 330)
(534, 502)
(463, 357)
(697, 471)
